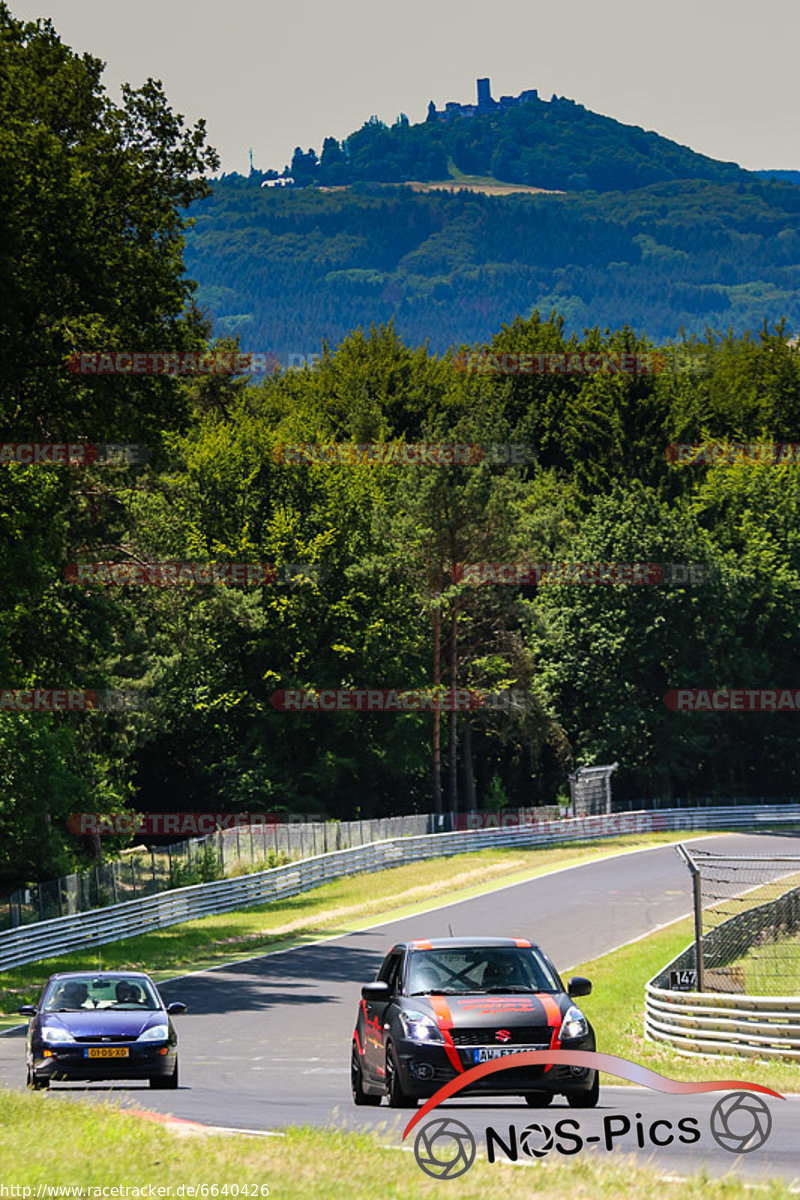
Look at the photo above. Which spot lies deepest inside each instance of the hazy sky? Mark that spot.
(720, 76)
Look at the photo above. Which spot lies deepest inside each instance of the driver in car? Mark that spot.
(73, 995)
(504, 973)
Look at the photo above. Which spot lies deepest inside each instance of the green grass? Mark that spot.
(772, 969)
(91, 1145)
(616, 1009)
(336, 907)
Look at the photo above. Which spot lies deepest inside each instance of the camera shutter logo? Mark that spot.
(533, 1134)
(444, 1148)
(741, 1122)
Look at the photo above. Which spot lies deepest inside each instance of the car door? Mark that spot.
(375, 1018)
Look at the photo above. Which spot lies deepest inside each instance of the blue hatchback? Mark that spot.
(102, 1025)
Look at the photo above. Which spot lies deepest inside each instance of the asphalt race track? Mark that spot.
(266, 1042)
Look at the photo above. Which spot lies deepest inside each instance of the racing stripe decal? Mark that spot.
(444, 1020)
(553, 1014)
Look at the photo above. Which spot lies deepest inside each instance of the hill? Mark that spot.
(556, 144)
(781, 176)
(285, 268)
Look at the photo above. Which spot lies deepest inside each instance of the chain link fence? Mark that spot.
(242, 849)
(747, 922)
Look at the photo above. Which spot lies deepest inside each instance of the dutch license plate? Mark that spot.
(107, 1052)
(486, 1053)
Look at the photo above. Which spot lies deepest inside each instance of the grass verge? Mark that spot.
(92, 1146)
(772, 967)
(616, 1009)
(337, 907)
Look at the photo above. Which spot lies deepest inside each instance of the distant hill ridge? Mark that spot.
(556, 144)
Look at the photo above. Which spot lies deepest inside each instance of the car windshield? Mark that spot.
(451, 972)
(85, 993)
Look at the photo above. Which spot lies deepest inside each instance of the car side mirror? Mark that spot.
(378, 991)
(27, 1010)
(579, 986)
(175, 1008)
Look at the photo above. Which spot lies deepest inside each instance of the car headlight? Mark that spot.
(55, 1035)
(419, 1027)
(156, 1033)
(574, 1024)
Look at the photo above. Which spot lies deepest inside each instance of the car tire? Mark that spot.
(586, 1099)
(538, 1099)
(37, 1083)
(165, 1081)
(360, 1097)
(397, 1097)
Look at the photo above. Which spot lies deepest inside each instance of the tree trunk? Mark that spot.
(469, 773)
(437, 748)
(453, 764)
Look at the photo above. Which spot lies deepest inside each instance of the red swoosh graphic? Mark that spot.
(610, 1063)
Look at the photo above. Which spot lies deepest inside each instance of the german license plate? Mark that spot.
(486, 1053)
(107, 1052)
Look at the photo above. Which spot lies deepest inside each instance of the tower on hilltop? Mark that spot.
(484, 94)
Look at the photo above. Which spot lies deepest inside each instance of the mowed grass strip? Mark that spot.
(337, 907)
(616, 1010)
(44, 1141)
(772, 967)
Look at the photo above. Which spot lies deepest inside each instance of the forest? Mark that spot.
(286, 269)
(366, 587)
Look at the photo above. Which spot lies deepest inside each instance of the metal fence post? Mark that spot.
(697, 895)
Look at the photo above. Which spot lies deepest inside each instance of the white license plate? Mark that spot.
(486, 1053)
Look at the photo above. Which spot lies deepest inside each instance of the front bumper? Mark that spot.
(70, 1062)
(425, 1067)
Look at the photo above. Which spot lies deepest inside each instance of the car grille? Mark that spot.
(521, 1035)
(107, 1037)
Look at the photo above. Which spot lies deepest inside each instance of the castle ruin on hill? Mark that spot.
(485, 103)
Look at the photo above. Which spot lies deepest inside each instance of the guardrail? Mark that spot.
(87, 930)
(145, 870)
(723, 1022)
(715, 1023)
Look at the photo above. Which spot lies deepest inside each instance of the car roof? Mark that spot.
(99, 975)
(473, 943)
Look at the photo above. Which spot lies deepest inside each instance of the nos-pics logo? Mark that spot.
(445, 1148)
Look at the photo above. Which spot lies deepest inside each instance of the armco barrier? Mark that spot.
(46, 939)
(714, 1023)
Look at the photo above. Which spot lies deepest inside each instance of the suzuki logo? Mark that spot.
(503, 1035)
